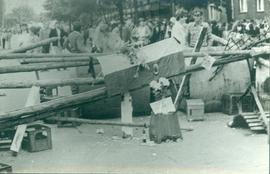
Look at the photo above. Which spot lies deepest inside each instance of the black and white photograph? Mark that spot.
(135, 86)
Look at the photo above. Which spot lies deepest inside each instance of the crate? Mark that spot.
(195, 109)
(6, 137)
(229, 103)
(38, 138)
(4, 168)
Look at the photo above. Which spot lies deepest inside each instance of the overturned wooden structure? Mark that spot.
(45, 62)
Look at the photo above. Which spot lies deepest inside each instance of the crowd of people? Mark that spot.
(110, 36)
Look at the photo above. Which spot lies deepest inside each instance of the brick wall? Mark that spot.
(252, 10)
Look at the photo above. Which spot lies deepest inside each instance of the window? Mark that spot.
(243, 6)
(213, 13)
(260, 5)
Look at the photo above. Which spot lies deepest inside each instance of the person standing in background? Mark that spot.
(163, 28)
(56, 32)
(75, 41)
(141, 33)
(156, 31)
(127, 29)
(44, 33)
(8, 38)
(63, 34)
(195, 27)
(1, 33)
(4, 37)
(33, 39)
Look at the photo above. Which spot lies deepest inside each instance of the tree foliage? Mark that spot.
(71, 10)
(22, 14)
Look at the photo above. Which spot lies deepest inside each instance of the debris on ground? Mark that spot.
(116, 138)
(100, 131)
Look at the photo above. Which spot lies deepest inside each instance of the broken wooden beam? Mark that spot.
(41, 66)
(53, 106)
(198, 67)
(50, 83)
(36, 67)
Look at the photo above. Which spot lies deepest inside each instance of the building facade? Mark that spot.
(250, 9)
(2, 12)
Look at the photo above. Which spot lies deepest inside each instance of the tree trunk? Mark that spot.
(119, 5)
(32, 46)
(50, 83)
(135, 3)
(8, 55)
(41, 66)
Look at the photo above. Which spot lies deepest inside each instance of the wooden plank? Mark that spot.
(255, 124)
(258, 128)
(251, 117)
(253, 121)
(3, 142)
(179, 92)
(32, 99)
(259, 105)
(17, 140)
(126, 114)
(186, 78)
(50, 83)
(254, 113)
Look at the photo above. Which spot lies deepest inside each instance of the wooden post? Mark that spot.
(33, 98)
(126, 114)
(50, 83)
(259, 105)
(39, 55)
(186, 78)
(41, 66)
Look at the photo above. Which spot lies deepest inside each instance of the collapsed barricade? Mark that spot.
(37, 111)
